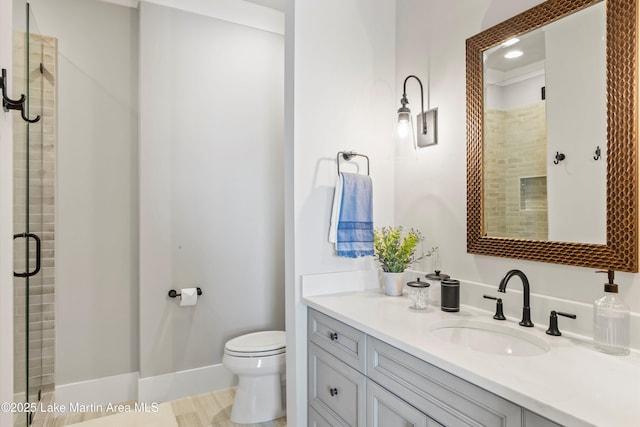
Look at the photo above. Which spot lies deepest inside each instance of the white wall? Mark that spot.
(519, 94)
(261, 14)
(431, 187)
(98, 305)
(6, 221)
(236, 11)
(96, 236)
(342, 78)
(431, 190)
(211, 185)
(98, 302)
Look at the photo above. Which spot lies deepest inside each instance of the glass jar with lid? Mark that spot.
(435, 279)
(418, 294)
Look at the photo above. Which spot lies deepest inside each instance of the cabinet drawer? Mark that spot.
(385, 409)
(335, 387)
(446, 398)
(339, 339)
(321, 418)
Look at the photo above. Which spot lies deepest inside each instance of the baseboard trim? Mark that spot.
(160, 388)
(99, 391)
(175, 385)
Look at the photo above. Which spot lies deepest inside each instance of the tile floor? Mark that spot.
(205, 410)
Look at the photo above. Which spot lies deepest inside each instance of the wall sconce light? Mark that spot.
(426, 121)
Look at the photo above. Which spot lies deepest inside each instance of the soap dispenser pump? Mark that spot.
(611, 320)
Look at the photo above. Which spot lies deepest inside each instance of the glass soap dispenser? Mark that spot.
(611, 320)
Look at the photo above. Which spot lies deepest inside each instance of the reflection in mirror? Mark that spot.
(583, 184)
(545, 93)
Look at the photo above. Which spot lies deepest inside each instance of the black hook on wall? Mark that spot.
(598, 153)
(14, 104)
(559, 157)
(5, 97)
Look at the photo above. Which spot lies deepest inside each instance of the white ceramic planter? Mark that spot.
(392, 283)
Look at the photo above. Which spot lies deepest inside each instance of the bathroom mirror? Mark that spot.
(545, 93)
(614, 247)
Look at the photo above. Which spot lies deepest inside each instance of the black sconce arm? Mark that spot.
(404, 100)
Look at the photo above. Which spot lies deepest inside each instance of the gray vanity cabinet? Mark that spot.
(335, 388)
(444, 397)
(336, 367)
(320, 418)
(532, 419)
(384, 409)
(356, 380)
(341, 340)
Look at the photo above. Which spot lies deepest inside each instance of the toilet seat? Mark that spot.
(257, 344)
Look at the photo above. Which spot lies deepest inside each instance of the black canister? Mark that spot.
(450, 295)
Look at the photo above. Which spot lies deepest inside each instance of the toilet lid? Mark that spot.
(257, 342)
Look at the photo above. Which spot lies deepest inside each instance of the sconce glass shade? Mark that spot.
(404, 127)
(405, 136)
(405, 124)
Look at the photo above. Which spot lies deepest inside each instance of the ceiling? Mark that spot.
(532, 44)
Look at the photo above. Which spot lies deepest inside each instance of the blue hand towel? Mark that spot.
(355, 226)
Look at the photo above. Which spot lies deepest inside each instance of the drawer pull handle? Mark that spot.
(333, 336)
(333, 391)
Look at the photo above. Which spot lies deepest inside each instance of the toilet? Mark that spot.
(258, 359)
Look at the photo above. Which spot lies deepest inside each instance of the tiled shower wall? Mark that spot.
(515, 172)
(42, 154)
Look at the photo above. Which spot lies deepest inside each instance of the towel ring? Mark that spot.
(348, 155)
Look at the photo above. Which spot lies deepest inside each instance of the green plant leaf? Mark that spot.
(395, 249)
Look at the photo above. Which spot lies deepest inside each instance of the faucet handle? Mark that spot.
(553, 322)
(499, 307)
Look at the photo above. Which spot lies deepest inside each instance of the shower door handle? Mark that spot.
(38, 252)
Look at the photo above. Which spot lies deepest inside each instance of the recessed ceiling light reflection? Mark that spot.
(511, 42)
(512, 54)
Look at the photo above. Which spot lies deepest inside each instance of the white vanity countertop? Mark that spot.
(571, 384)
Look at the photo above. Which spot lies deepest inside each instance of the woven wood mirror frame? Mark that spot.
(621, 249)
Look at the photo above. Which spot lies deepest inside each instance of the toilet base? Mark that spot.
(248, 408)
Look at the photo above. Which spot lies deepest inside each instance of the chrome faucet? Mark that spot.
(526, 310)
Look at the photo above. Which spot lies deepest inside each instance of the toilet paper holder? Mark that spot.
(173, 293)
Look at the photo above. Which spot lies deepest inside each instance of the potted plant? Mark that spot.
(395, 248)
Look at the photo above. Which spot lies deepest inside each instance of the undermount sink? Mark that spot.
(491, 338)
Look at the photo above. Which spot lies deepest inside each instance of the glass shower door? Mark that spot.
(31, 358)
